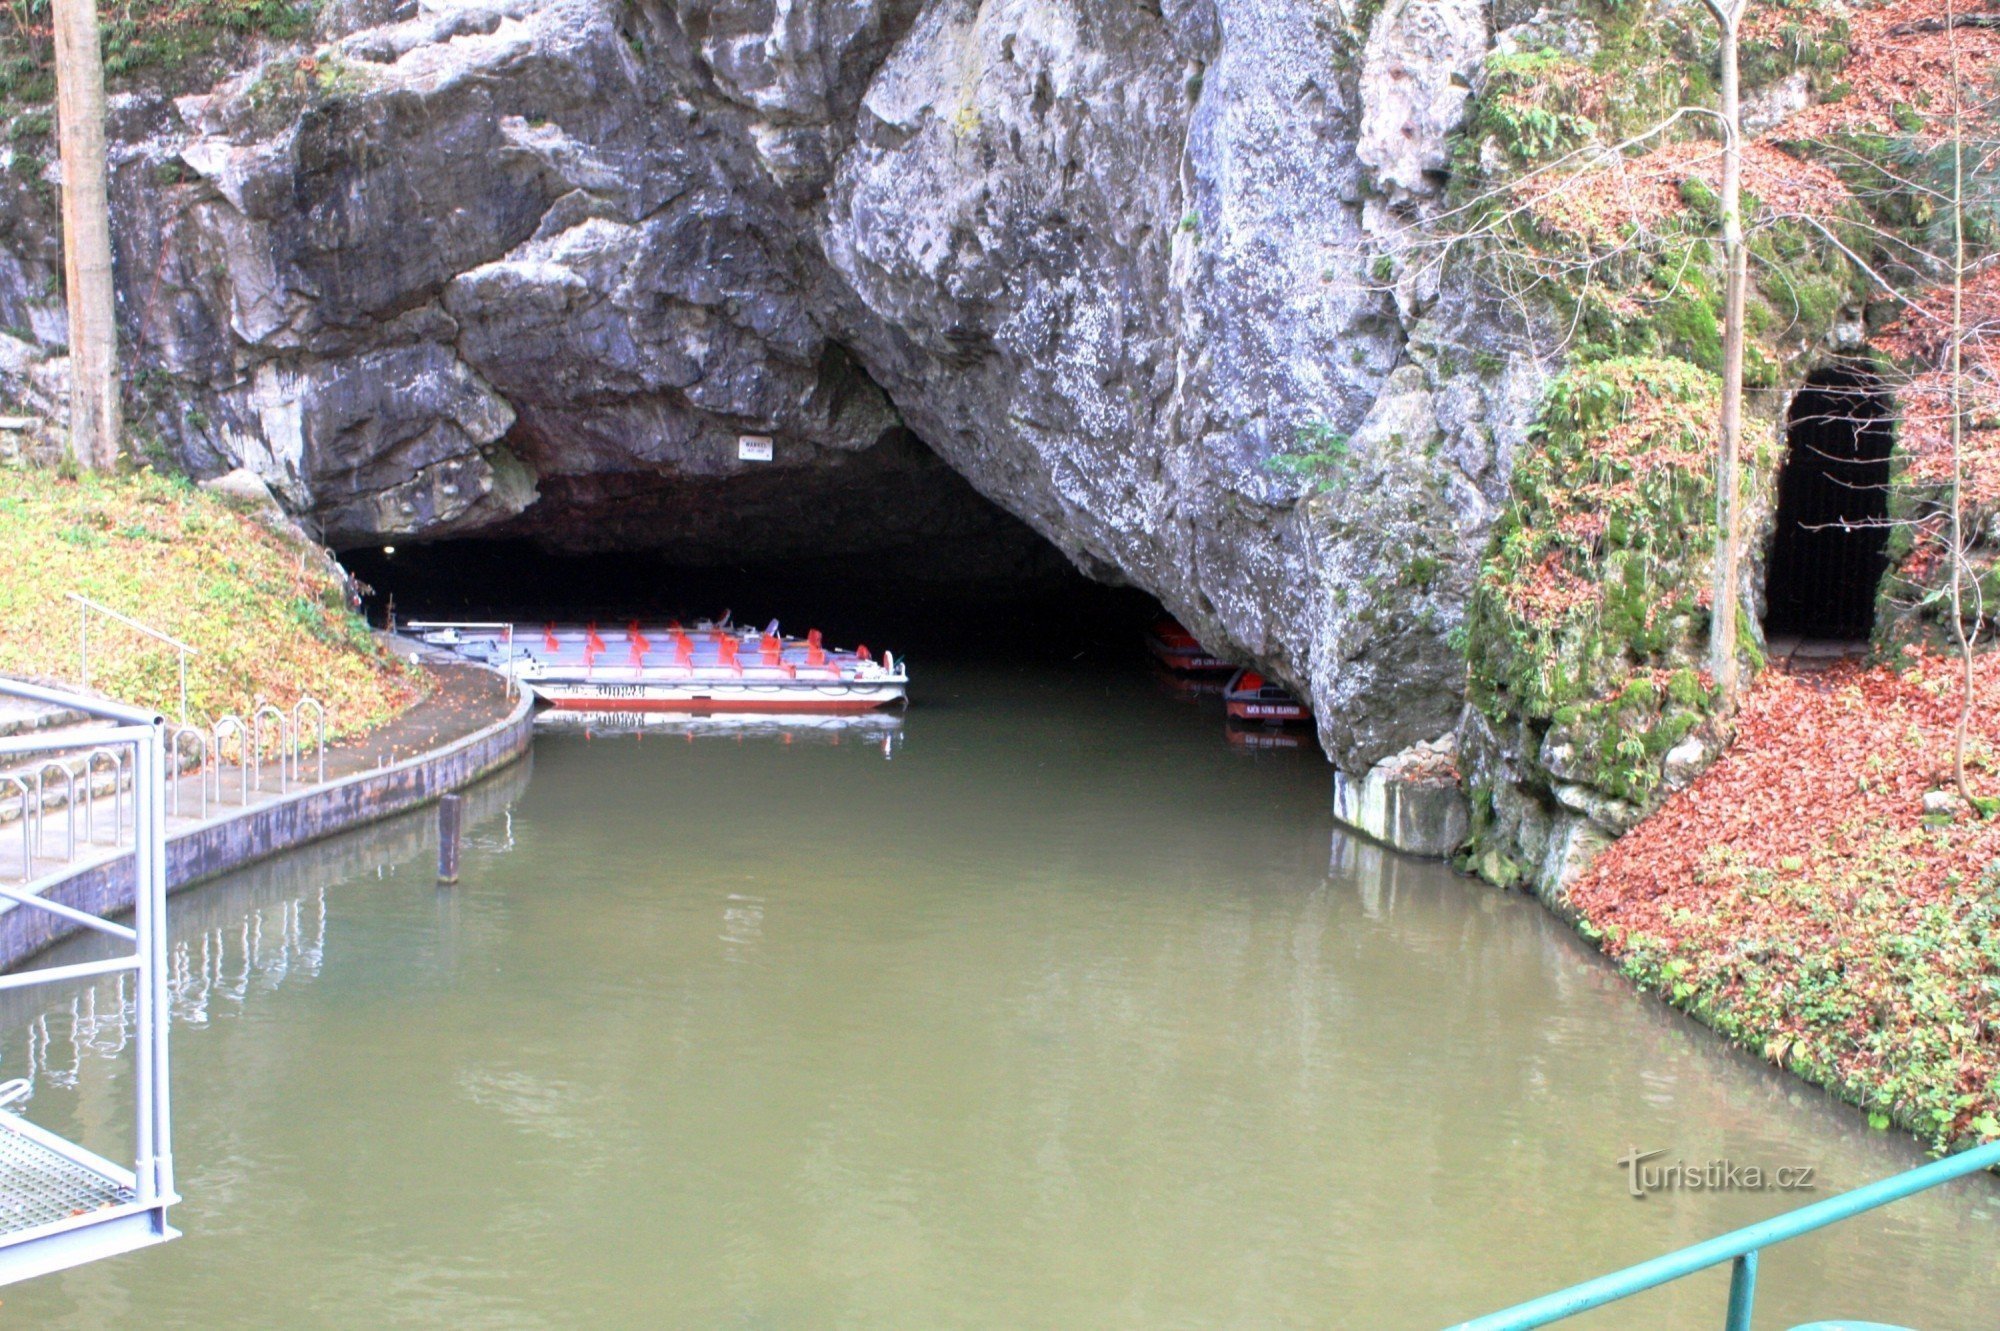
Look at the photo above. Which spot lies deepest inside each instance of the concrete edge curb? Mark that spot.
(228, 841)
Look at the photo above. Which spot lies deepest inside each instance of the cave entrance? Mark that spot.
(897, 596)
(887, 546)
(994, 598)
(1829, 548)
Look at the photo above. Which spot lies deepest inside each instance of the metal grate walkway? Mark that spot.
(40, 1186)
(59, 1203)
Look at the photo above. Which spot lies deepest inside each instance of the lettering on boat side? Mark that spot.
(753, 448)
(1643, 1177)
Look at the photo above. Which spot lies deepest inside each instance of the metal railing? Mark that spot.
(86, 606)
(91, 1207)
(27, 793)
(1739, 1246)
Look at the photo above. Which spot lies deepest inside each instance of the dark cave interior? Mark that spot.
(1828, 545)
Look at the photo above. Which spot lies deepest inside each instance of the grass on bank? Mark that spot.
(1799, 898)
(171, 44)
(267, 616)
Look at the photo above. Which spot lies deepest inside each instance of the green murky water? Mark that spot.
(1046, 1008)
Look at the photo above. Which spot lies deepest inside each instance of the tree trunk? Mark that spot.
(1960, 570)
(1722, 627)
(86, 217)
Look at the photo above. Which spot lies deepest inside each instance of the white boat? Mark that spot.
(711, 667)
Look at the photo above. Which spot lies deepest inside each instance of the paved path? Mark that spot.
(464, 699)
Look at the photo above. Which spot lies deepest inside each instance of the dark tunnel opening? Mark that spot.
(1828, 547)
(1014, 597)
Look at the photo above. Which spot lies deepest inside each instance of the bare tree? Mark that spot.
(1728, 15)
(93, 330)
(1960, 564)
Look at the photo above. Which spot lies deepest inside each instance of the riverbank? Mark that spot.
(1801, 899)
(265, 610)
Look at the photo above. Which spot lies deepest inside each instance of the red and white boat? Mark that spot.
(1251, 697)
(711, 667)
(1180, 652)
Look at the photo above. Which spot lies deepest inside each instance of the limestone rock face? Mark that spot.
(1416, 77)
(536, 267)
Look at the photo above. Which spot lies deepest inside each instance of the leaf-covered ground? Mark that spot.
(266, 616)
(1798, 898)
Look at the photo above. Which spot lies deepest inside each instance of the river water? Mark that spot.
(1043, 1008)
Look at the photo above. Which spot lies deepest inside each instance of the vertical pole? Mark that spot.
(83, 641)
(450, 817)
(184, 685)
(1742, 1292)
(154, 758)
(86, 223)
(144, 923)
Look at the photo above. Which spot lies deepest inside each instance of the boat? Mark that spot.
(1179, 651)
(1251, 697)
(711, 667)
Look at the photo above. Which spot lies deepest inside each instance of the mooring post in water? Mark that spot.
(448, 827)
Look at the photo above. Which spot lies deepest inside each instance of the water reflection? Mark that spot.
(881, 730)
(246, 935)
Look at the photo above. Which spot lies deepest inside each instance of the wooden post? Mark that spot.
(94, 417)
(449, 824)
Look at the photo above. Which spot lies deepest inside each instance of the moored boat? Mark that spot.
(711, 667)
(1179, 651)
(1251, 697)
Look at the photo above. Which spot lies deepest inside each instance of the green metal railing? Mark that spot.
(1740, 1246)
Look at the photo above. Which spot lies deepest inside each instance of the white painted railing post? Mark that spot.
(146, 830)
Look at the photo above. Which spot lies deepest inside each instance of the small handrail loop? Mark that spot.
(283, 740)
(224, 725)
(319, 733)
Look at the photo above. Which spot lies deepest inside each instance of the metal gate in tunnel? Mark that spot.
(1828, 549)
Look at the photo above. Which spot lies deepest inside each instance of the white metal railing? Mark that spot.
(281, 737)
(317, 709)
(224, 727)
(85, 608)
(175, 735)
(92, 1207)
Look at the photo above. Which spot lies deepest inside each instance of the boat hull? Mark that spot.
(1187, 660)
(1268, 713)
(1179, 651)
(700, 697)
(1251, 697)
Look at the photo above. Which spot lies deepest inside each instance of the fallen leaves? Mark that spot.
(1609, 202)
(1900, 71)
(1821, 914)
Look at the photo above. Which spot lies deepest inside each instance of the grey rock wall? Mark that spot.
(533, 266)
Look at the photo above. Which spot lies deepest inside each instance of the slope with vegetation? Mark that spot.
(1828, 892)
(265, 610)
(1804, 899)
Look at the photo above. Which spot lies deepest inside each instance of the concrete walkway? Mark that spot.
(470, 724)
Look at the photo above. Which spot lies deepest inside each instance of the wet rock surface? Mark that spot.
(538, 267)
